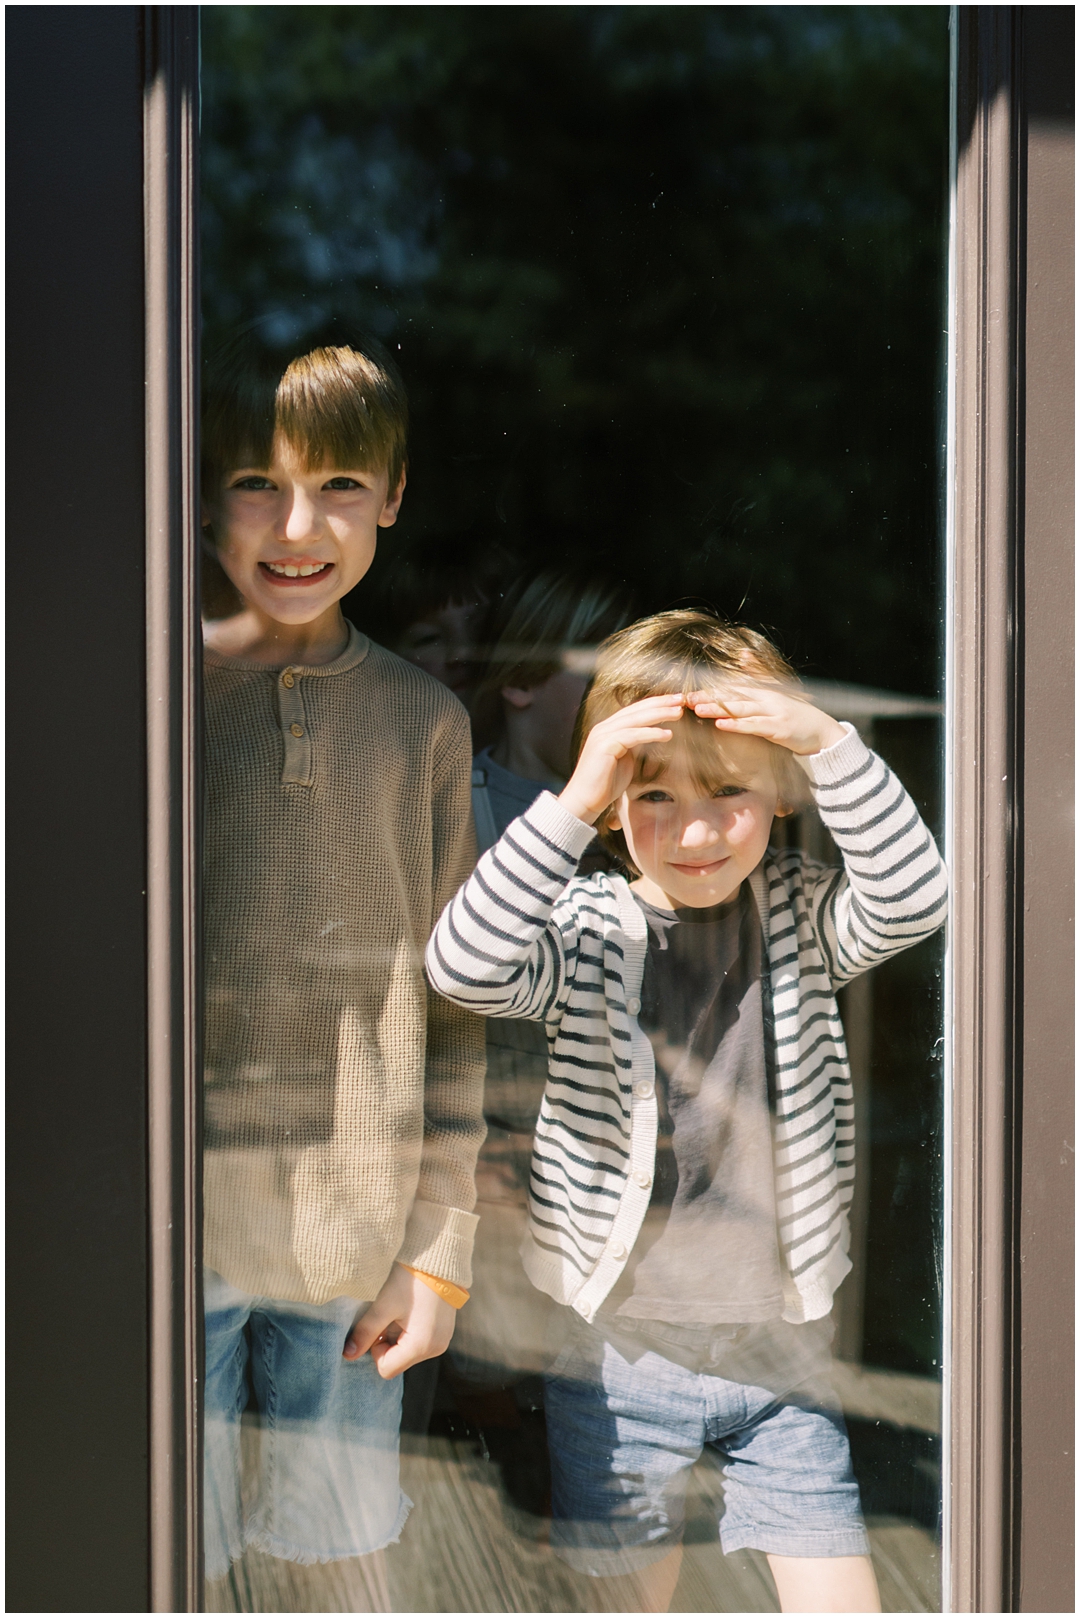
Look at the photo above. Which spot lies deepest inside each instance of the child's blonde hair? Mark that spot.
(685, 651)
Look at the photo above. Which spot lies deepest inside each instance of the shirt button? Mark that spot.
(617, 1250)
(643, 1090)
(633, 1005)
(287, 679)
(297, 730)
(643, 1179)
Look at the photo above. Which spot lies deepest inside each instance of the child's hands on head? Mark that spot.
(695, 827)
(605, 766)
(687, 806)
(771, 713)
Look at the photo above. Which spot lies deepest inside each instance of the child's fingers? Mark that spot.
(709, 707)
(641, 737)
(392, 1358)
(617, 743)
(648, 708)
(751, 724)
(366, 1331)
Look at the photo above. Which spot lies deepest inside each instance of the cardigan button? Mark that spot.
(643, 1179)
(617, 1250)
(633, 1005)
(643, 1090)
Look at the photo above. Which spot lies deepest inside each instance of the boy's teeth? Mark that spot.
(290, 572)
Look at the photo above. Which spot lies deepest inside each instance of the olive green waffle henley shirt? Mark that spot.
(343, 1098)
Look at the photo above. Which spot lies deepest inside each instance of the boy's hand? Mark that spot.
(606, 766)
(407, 1323)
(787, 720)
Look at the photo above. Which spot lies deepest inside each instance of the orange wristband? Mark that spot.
(449, 1293)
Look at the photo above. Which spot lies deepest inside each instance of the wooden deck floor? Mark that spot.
(466, 1548)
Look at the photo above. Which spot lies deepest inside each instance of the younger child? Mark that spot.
(343, 1102)
(693, 1158)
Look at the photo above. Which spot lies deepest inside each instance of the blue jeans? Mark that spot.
(623, 1435)
(327, 1484)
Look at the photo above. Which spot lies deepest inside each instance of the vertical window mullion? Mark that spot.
(172, 671)
(982, 818)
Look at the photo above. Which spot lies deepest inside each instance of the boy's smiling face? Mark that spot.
(293, 542)
(695, 844)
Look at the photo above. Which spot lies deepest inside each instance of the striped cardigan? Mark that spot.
(525, 938)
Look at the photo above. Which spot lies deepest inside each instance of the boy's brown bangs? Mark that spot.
(333, 407)
(337, 407)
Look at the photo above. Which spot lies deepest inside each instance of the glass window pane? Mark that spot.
(664, 289)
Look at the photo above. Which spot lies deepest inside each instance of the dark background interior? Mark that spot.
(665, 284)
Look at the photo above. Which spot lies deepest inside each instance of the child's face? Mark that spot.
(294, 542)
(694, 847)
(443, 643)
(548, 713)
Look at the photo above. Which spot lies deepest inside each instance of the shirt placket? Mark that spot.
(295, 729)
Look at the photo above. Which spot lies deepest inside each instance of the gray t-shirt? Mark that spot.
(708, 1252)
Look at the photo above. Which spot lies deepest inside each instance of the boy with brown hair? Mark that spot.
(693, 1160)
(343, 1100)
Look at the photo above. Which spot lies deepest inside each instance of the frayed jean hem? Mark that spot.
(261, 1539)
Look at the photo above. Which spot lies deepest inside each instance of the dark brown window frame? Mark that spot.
(1008, 1516)
(105, 1072)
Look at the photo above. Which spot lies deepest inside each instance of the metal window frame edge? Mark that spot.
(173, 742)
(984, 808)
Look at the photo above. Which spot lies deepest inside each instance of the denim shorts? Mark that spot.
(326, 1482)
(623, 1435)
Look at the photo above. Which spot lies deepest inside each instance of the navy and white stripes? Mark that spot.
(526, 938)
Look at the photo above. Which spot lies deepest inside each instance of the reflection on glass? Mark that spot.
(663, 284)
(433, 608)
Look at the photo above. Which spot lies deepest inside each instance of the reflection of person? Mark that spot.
(343, 1101)
(529, 698)
(532, 688)
(432, 609)
(694, 1160)
(442, 639)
